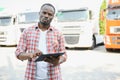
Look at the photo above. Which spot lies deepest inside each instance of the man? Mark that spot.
(42, 39)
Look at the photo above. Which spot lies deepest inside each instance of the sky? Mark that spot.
(59, 4)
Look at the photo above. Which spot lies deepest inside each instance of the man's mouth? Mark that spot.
(45, 20)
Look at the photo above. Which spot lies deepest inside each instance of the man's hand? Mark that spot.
(52, 60)
(33, 55)
(37, 53)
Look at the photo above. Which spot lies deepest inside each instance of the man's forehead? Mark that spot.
(47, 7)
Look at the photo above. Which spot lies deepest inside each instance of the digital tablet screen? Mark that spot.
(41, 57)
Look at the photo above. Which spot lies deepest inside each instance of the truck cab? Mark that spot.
(27, 18)
(9, 33)
(79, 27)
(112, 28)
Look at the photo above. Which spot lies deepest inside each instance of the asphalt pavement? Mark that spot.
(94, 64)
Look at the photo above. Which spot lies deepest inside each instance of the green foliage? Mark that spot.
(102, 27)
(103, 6)
(102, 21)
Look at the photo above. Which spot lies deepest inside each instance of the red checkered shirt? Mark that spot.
(29, 41)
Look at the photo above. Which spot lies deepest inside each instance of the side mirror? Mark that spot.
(14, 21)
(91, 15)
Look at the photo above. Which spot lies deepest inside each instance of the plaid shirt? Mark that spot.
(29, 41)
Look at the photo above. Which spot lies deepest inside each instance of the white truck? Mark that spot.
(9, 33)
(27, 18)
(80, 28)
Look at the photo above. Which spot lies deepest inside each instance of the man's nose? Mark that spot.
(46, 15)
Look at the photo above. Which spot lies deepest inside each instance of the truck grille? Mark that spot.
(72, 39)
(2, 33)
(117, 30)
(2, 39)
(116, 40)
(118, 43)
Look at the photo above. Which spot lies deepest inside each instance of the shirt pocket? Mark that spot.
(54, 44)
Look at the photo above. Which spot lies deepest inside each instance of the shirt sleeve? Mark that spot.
(62, 48)
(21, 47)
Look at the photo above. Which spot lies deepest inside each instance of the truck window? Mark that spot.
(5, 21)
(29, 17)
(113, 14)
(72, 15)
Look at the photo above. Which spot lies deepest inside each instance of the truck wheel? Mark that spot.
(93, 43)
(109, 49)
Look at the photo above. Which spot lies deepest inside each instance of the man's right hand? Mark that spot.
(33, 55)
(37, 53)
(29, 56)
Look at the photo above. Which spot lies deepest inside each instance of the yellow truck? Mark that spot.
(112, 27)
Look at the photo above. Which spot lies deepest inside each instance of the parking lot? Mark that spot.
(94, 64)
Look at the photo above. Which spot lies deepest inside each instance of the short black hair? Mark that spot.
(48, 5)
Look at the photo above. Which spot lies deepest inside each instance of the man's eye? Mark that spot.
(44, 12)
(49, 14)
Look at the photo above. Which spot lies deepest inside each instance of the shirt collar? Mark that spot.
(49, 29)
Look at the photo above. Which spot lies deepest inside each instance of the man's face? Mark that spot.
(46, 15)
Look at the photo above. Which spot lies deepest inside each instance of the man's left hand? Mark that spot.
(52, 60)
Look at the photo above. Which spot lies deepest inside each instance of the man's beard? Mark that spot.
(44, 23)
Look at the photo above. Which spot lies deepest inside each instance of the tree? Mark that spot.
(102, 15)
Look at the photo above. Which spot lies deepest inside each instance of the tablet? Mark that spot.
(41, 57)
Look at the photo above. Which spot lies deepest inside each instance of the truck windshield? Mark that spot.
(5, 21)
(113, 14)
(75, 15)
(30, 17)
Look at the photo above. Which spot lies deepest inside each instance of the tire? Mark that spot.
(109, 49)
(93, 43)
